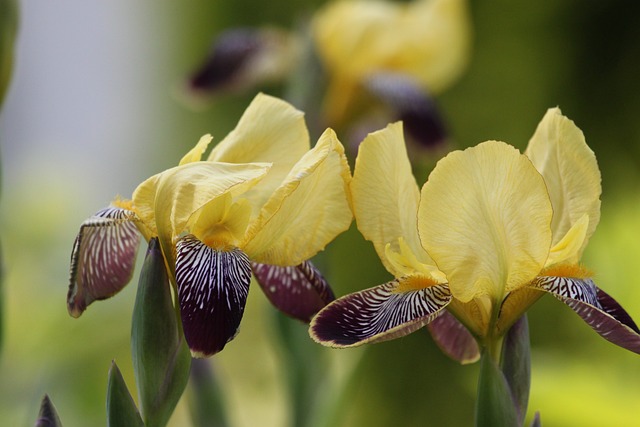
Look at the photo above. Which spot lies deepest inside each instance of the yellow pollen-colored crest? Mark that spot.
(121, 203)
(576, 271)
(414, 283)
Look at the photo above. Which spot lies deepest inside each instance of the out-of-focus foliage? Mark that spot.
(8, 29)
(527, 57)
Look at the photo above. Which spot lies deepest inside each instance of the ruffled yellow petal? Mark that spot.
(559, 151)
(182, 191)
(272, 131)
(195, 154)
(484, 218)
(307, 211)
(385, 196)
(568, 249)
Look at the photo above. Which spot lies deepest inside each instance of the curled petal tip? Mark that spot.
(103, 258)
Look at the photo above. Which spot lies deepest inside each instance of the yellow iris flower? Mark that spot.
(490, 232)
(427, 41)
(262, 196)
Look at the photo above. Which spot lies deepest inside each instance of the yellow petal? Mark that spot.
(182, 191)
(271, 131)
(144, 201)
(435, 50)
(426, 39)
(484, 218)
(568, 249)
(307, 211)
(404, 263)
(559, 151)
(385, 196)
(221, 223)
(195, 154)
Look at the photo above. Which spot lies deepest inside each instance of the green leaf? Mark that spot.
(121, 409)
(205, 398)
(495, 405)
(516, 364)
(47, 417)
(161, 358)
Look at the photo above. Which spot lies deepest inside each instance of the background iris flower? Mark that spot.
(491, 231)
(214, 217)
(362, 43)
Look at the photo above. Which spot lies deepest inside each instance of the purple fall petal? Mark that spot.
(597, 309)
(298, 291)
(378, 314)
(454, 339)
(103, 258)
(212, 290)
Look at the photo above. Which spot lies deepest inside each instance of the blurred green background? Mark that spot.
(93, 110)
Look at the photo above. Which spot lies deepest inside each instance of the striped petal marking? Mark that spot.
(103, 257)
(378, 314)
(595, 307)
(212, 291)
(298, 291)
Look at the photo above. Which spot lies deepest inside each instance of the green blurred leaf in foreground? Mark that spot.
(121, 409)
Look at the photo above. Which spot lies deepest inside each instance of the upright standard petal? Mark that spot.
(195, 154)
(103, 257)
(307, 211)
(560, 153)
(212, 291)
(484, 218)
(272, 131)
(382, 313)
(386, 196)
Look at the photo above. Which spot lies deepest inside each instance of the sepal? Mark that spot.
(454, 339)
(212, 290)
(298, 291)
(379, 314)
(103, 257)
(598, 309)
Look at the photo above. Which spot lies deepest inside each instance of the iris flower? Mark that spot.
(490, 232)
(365, 45)
(262, 198)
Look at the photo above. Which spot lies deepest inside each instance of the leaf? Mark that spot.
(516, 364)
(494, 405)
(161, 358)
(121, 409)
(206, 401)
